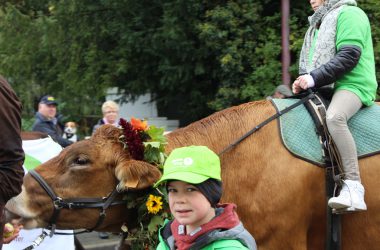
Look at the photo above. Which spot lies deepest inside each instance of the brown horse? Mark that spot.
(280, 198)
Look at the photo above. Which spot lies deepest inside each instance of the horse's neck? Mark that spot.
(221, 129)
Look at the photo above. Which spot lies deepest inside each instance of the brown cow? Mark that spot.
(280, 198)
(32, 135)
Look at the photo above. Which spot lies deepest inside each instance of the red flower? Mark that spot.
(139, 125)
(133, 140)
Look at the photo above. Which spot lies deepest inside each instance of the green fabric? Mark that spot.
(311, 54)
(299, 137)
(217, 245)
(31, 162)
(161, 244)
(220, 244)
(353, 28)
(193, 164)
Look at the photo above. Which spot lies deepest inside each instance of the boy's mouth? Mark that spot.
(183, 211)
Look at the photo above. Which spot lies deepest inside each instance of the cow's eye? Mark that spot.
(81, 161)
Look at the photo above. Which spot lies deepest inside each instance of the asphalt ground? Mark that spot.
(91, 241)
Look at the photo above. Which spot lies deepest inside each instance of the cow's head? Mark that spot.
(87, 169)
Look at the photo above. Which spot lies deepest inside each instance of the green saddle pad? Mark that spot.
(298, 134)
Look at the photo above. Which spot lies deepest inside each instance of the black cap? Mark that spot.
(48, 99)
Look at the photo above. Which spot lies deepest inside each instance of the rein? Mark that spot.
(309, 95)
(77, 203)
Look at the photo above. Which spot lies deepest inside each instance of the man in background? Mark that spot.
(281, 91)
(11, 153)
(47, 122)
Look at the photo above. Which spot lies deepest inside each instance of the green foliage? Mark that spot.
(201, 56)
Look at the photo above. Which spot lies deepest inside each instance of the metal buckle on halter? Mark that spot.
(58, 203)
(103, 213)
(52, 230)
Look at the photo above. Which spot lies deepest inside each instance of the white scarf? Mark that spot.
(326, 17)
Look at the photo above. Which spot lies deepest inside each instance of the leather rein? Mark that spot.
(76, 203)
(309, 94)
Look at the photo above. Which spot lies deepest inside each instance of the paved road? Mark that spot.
(91, 241)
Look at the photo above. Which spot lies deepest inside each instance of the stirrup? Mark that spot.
(347, 210)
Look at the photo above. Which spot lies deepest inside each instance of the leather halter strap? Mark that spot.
(76, 203)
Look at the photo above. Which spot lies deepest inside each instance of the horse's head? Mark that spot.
(90, 168)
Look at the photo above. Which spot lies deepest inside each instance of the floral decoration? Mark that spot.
(154, 204)
(133, 140)
(146, 143)
(139, 125)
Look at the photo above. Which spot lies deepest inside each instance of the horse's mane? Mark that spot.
(225, 125)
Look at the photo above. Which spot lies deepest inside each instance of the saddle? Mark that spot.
(304, 133)
(299, 132)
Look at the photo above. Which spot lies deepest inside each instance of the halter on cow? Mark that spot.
(77, 203)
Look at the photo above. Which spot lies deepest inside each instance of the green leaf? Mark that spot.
(153, 144)
(156, 134)
(152, 154)
(155, 223)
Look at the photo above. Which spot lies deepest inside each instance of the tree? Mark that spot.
(193, 56)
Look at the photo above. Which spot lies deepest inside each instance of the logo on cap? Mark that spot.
(184, 162)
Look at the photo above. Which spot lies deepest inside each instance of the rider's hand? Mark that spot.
(303, 82)
(296, 87)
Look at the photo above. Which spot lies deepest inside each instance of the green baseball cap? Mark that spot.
(193, 164)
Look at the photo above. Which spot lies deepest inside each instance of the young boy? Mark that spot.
(193, 182)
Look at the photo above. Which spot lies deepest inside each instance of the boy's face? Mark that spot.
(188, 205)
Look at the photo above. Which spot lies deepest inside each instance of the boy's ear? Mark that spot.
(136, 174)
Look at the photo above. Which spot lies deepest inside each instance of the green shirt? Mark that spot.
(353, 28)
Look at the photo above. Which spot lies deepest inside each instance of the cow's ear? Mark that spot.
(136, 174)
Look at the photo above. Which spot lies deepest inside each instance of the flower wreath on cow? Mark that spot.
(146, 143)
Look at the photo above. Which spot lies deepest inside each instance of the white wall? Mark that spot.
(142, 108)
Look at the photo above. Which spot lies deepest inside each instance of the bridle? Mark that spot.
(76, 203)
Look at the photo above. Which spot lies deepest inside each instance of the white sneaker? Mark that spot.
(351, 197)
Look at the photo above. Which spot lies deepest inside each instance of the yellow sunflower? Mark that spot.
(154, 204)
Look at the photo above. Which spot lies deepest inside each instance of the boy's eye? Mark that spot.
(191, 189)
(170, 190)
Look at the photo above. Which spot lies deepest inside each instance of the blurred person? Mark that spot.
(47, 120)
(281, 91)
(11, 152)
(110, 110)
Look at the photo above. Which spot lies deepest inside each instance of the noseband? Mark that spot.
(59, 203)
